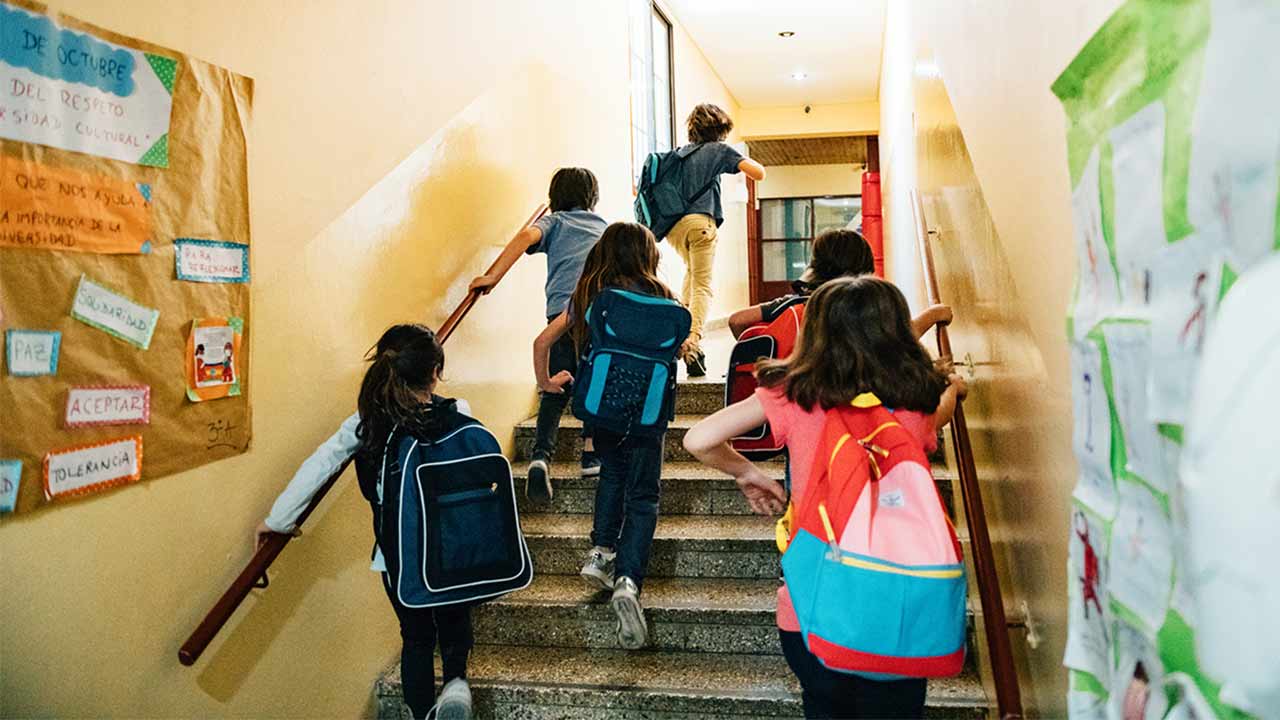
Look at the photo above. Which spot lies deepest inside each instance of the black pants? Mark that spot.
(562, 356)
(830, 694)
(421, 628)
(626, 510)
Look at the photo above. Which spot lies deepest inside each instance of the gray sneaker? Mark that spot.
(633, 632)
(455, 701)
(598, 570)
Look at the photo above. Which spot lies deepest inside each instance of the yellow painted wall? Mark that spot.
(981, 136)
(856, 118)
(394, 146)
(801, 180)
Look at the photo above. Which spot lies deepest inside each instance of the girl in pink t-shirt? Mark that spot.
(857, 337)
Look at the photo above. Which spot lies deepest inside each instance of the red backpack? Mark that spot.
(772, 341)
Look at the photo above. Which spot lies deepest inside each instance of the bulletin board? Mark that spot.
(124, 262)
(1172, 144)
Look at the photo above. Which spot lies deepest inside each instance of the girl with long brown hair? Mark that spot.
(626, 502)
(857, 338)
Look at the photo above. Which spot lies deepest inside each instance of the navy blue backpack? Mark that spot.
(448, 524)
(663, 198)
(627, 381)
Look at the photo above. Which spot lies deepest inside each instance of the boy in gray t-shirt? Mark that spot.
(706, 158)
(566, 235)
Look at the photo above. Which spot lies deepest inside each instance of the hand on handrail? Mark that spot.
(263, 533)
(483, 284)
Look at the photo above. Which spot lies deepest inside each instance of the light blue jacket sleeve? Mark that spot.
(322, 464)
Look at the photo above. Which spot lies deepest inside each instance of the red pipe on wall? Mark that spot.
(872, 222)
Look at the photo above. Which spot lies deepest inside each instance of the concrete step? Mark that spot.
(703, 615)
(537, 683)
(688, 488)
(569, 440)
(687, 546)
(684, 614)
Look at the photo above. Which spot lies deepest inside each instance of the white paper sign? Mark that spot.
(1091, 434)
(1137, 167)
(1184, 289)
(1140, 572)
(1088, 643)
(108, 405)
(1232, 177)
(1129, 354)
(1097, 292)
(211, 261)
(114, 314)
(71, 90)
(32, 352)
(76, 470)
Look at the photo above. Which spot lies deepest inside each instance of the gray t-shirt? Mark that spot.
(567, 237)
(705, 167)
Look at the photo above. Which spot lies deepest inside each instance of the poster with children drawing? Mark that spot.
(1088, 639)
(213, 352)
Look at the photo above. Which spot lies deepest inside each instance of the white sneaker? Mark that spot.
(598, 570)
(538, 483)
(633, 632)
(455, 701)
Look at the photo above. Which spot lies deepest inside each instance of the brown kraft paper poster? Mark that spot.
(203, 193)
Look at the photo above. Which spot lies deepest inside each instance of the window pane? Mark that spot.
(784, 219)
(836, 213)
(659, 60)
(784, 261)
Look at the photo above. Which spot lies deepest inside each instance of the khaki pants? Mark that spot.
(694, 238)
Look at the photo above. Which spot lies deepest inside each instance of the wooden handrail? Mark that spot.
(255, 571)
(1008, 695)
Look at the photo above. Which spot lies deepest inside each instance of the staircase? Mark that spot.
(550, 651)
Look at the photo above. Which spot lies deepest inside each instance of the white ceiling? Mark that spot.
(836, 43)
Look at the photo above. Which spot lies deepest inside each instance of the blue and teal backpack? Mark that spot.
(662, 198)
(626, 383)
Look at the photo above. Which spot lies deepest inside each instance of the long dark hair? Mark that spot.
(857, 338)
(837, 253)
(406, 362)
(627, 257)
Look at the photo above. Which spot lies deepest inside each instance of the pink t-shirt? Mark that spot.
(801, 430)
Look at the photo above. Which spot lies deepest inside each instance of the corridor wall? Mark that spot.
(394, 146)
(968, 118)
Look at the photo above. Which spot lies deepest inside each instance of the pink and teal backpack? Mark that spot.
(873, 565)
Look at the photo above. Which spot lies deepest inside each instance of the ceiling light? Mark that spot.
(799, 75)
(786, 34)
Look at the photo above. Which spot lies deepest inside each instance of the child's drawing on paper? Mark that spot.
(1089, 573)
(1088, 638)
(213, 359)
(215, 356)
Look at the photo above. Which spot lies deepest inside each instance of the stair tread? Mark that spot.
(763, 677)
(681, 422)
(660, 594)
(685, 470)
(670, 527)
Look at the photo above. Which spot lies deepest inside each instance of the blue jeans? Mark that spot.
(562, 356)
(626, 513)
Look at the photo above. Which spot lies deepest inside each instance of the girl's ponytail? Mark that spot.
(395, 384)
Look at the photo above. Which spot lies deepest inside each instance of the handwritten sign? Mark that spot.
(211, 261)
(99, 307)
(73, 91)
(93, 405)
(32, 352)
(213, 358)
(48, 208)
(86, 469)
(10, 477)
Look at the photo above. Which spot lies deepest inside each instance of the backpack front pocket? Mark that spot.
(472, 531)
(626, 390)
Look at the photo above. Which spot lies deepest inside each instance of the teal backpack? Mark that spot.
(662, 198)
